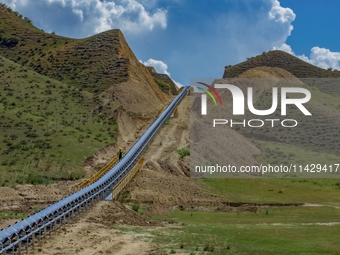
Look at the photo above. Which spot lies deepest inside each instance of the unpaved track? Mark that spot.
(93, 234)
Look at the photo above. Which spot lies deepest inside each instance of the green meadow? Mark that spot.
(275, 230)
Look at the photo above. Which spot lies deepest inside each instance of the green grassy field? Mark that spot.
(284, 230)
(311, 229)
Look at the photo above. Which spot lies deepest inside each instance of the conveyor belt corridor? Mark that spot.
(18, 237)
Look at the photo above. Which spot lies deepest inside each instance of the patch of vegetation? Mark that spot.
(183, 152)
(12, 215)
(162, 85)
(8, 41)
(134, 115)
(135, 207)
(165, 83)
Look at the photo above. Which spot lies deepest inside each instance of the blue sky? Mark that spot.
(190, 38)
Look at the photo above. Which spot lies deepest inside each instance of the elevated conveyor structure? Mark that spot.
(99, 173)
(21, 235)
(123, 183)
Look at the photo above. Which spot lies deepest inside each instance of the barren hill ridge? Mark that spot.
(276, 58)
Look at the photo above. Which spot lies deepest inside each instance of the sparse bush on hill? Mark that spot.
(183, 152)
(135, 207)
(10, 41)
(28, 20)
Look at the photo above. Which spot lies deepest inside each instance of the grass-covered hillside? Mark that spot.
(48, 128)
(60, 97)
(85, 63)
(98, 64)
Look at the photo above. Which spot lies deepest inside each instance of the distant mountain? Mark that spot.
(276, 58)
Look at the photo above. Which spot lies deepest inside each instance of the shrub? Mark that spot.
(209, 247)
(35, 179)
(183, 152)
(162, 85)
(75, 175)
(9, 41)
(135, 207)
(27, 20)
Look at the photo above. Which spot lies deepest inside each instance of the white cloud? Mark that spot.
(325, 58)
(160, 67)
(284, 47)
(251, 31)
(281, 14)
(320, 57)
(79, 13)
(128, 15)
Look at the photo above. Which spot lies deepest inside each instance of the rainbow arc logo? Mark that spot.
(209, 90)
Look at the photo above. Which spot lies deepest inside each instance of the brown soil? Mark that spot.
(27, 198)
(93, 234)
